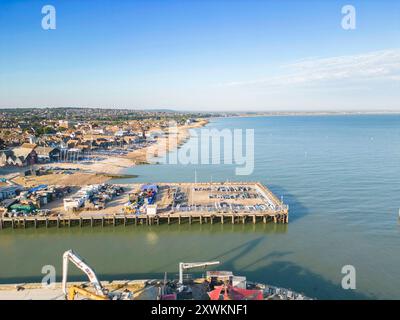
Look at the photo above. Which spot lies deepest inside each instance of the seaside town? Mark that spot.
(57, 167)
(31, 136)
(60, 169)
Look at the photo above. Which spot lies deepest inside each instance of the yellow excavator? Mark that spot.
(70, 292)
(74, 290)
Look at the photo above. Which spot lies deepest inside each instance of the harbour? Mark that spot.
(332, 222)
(175, 203)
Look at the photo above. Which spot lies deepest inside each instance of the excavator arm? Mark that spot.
(72, 256)
(74, 290)
(191, 265)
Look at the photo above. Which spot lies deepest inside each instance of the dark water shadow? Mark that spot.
(240, 249)
(287, 274)
(297, 209)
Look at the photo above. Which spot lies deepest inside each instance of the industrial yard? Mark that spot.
(111, 204)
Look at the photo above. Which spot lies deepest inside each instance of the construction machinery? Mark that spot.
(216, 285)
(100, 292)
(74, 290)
(192, 265)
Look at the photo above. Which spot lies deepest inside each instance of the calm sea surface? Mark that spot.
(340, 176)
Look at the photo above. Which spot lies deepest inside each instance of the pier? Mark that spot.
(176, 203)
(136, 220)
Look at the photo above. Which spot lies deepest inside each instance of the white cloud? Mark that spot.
(374, 66)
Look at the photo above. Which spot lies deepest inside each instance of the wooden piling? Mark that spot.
(116, 219)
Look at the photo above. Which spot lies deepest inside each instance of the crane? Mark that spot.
(101, 292)
(191, 265)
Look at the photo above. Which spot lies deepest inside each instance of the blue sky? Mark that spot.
(201, 55)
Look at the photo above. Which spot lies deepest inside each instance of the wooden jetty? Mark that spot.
(125, 220)
(277, 213)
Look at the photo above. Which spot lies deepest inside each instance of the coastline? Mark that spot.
(164, 144)
(310, 114)
(110, 167)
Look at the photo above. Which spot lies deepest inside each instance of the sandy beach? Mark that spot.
(165, 144)
(112, 165)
